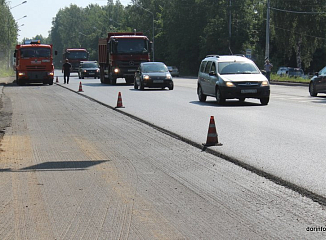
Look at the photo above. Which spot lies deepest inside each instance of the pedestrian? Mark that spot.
(268, 68)
(66, 67)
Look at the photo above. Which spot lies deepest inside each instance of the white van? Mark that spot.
(229, 77)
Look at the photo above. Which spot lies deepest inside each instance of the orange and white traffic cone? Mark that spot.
(80, 87)
(119, 102)
(57, 79)
(212, 137)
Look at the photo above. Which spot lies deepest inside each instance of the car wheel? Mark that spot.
(135, 84)
(171, 86)
(219, 98)
(264, 101)
(242, 99)
(141, 87)
(312, 90)
(201, 96)
(79, 76)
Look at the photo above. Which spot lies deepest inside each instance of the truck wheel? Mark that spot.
(51, 82)
(113, 81)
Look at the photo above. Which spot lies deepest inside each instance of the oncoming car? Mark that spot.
(88, 69)
(153, 75)
(174, 71)
(229, 77)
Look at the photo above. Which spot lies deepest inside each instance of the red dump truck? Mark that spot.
(120, 54)
(75, 56)
(34, 63)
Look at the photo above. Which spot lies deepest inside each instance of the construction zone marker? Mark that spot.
(80, 87)
(212, 137)
(119, 102)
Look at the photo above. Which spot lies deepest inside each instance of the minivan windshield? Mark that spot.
(237, 68)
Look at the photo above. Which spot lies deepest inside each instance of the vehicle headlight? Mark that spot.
(229, 84)
(264, 83)
(116, 70)
(51, 73)
(168, 76)
(146, 77)
(97, 70)
(84, 71)
(21, 74)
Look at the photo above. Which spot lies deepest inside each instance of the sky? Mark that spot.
(40, 14)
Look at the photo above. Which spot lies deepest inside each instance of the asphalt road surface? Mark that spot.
(71, 168)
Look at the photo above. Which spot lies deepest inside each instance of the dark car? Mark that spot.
(153, 75)
(88, 69)
(318, 83)
(174, 71)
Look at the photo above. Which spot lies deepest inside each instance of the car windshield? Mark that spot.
(237, 68)
(35, 52)
(149, 68)
(89, 65)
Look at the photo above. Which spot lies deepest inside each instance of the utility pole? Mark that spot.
(230, 30)
(267, 30)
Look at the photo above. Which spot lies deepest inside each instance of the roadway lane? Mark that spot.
(74, 169)
(285, 138)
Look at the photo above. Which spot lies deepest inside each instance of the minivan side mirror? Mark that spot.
(212, 73)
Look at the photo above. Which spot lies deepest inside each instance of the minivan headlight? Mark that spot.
(264, 83)
(168, 76)
(229, 84)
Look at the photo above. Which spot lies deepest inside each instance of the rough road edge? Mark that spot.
(5, 107)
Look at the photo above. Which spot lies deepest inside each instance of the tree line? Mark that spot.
(187, 30)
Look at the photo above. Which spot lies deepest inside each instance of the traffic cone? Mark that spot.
(119, 102)
(57, 80)
(212, 137)
(80, 87)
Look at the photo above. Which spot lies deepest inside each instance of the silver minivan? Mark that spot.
(229, 77)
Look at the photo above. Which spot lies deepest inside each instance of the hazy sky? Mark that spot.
(41, 12)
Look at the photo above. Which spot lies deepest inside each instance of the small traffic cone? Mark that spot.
(57, 80)
(212, 137)
(80, 87)
(119, 102)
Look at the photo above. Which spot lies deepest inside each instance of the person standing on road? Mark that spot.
(66, 67)
(268, 68)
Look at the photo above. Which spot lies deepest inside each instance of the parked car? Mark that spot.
(88, 69)
(290, 71)
(174, 71)
(282, 71)
(228, 77)
(153, 75)
(318, 83)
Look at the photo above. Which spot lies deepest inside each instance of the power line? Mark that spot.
(288, 11)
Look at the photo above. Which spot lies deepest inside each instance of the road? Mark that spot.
(72, 168)
(285, 139)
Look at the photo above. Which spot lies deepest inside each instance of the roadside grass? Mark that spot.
(278, 78)
(5, 72)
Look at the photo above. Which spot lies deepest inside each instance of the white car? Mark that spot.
(228, 77)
